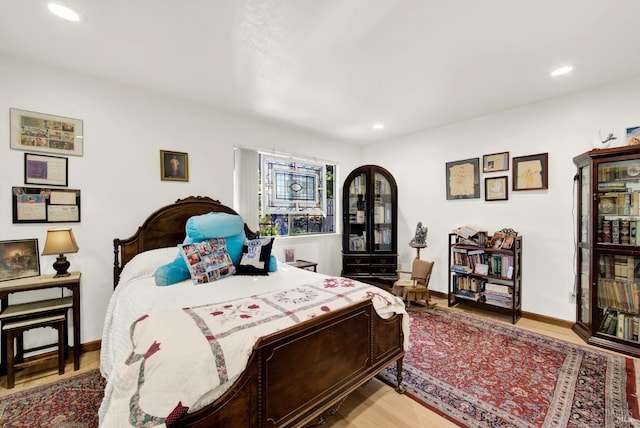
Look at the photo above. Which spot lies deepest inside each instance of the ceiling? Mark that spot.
(338, 66)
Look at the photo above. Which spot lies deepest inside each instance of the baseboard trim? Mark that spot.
(529, 315)
(91, 346)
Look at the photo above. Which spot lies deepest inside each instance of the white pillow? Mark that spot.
(145, 264)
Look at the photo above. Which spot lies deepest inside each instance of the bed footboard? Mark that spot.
(294, 376)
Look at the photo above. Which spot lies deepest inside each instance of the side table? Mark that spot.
(303, 264)
(71, 282)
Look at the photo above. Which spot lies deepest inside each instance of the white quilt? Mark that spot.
(154, 373)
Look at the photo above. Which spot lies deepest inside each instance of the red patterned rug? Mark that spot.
(72, 402)
(479, 373)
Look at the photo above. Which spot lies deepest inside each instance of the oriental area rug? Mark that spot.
(71, 402)
(479, 373)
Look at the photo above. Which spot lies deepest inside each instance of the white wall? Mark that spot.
(545, 218)
(119, 174)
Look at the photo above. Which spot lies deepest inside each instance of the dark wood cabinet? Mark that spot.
(370, 208)
(608, 248)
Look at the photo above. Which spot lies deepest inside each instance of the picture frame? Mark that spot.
(174, 166)
(19, 258)
(495, 162)
(496, 188)
(633, 136)
(463, 179)
(41, 132)
(289, 255)
(46, 170)
(45, 205)
(531, 172)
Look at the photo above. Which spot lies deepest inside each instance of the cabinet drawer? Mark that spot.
(384, 261)
(383, 270)
(357, 260)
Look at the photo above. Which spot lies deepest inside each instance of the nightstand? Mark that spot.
(303, 264)
(14, 312)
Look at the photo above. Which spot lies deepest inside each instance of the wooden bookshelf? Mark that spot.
(489, 277)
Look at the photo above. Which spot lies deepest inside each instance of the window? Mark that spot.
(296, 196)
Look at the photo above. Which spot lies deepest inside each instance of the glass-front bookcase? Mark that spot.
(369, 244)
(608, 248)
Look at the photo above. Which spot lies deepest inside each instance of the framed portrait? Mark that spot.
(45, 205)
(463, 179)
(496, 188)
(40, 132)
(19, 259)
(495, 162)
(45, 170)
(174, 166)
(531, 172)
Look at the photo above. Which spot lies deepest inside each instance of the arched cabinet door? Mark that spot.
(370, 242)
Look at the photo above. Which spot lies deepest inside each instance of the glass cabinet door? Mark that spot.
(358, 213)
(618, 296)
(382, 213)
(584, 292)
(618, 202)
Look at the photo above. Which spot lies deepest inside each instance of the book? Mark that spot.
(466, 231)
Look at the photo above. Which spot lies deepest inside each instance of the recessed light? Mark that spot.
(378, 125)
(63, 12)
(562, 70)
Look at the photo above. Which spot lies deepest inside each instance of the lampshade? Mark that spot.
(60, 241)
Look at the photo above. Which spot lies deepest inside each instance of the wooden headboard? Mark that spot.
(165, 228)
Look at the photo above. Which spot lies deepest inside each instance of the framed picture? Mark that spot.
(463, 179)
(633, 136)
(19, 259)
(289, 255)
(40, 132)
(44, 169)
(495, 188)
(174, 166)
(495, 162)
(531, 172)
(45, 205)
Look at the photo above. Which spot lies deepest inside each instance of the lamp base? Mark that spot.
(61, 265)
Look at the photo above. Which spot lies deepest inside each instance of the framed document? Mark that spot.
(495, 188)
(463, 179)
(495, 162)
(531, 172)
(45, 170)
(45, 205)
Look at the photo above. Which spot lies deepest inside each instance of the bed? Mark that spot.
(296, 374)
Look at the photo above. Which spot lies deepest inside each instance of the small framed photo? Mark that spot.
(40, 132)
(19, 259)
(44, 169)
(496, 188)
(289, 255)
(174, 166)
(495, 162)
(531, 172)
(463, 179)
(633, 136)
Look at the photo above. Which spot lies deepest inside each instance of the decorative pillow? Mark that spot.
(198, 228)
(208, 260)
(256, 257)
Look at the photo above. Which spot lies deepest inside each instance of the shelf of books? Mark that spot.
(486, 273)
(619, 296)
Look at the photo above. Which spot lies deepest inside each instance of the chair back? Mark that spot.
(421, 271)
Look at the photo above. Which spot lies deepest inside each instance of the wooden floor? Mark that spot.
(373, 405)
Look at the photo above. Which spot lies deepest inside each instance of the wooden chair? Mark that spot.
(415, 291)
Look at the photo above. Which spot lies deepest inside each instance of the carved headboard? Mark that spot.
(165, 228)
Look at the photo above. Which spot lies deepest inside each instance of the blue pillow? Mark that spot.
(199, 228)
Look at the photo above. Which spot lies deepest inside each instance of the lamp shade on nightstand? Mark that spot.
(60, 241)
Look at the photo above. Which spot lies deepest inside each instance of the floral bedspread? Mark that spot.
(183, 359)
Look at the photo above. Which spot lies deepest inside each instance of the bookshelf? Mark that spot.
(369, 245)
(489, 277)
(608, 248)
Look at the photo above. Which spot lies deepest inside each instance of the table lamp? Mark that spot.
(60, 241)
